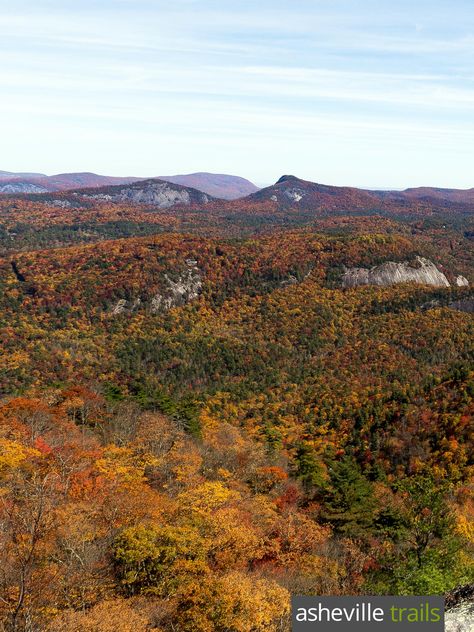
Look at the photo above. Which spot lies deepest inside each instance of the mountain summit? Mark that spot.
(286, 179)
(291, 191)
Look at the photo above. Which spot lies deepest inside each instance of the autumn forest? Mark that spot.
(200, 415)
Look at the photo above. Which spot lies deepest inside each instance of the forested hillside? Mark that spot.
(198, 419)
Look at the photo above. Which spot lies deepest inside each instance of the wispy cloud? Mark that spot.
(313, 76)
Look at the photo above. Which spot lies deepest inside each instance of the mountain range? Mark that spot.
(222, 186)
(233, 192)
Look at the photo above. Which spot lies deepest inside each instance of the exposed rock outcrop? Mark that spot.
(459, 615)
(61, 204)
(152, 192)
(187, 288)
(22, 187)
(421, 271)
(461, 281)
(184, 289)
(120, 307)
(291, 280)
(460, 618)
(294, 194)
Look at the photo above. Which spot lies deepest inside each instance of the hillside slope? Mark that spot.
(189, 423)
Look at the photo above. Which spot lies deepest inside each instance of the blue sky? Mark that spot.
(360, 92)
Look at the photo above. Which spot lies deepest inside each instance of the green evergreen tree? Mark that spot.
(348, 501)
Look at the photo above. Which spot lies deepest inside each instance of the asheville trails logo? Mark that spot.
(360, 614)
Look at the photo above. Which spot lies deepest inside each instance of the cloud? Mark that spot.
(210, 74)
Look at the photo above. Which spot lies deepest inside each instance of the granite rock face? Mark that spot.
(461, 281)
(421, 270)
(22, 187)
(460, 618)
(120, 307)
(61, 204)
(294, 194)
(186, 288)
(160, 194)
(459, 615)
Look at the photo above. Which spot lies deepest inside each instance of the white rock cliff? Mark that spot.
(421, 271)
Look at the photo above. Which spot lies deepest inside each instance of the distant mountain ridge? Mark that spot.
(234, 192)
(216, 184)
(221, 186)
(12, 174)
(462, 196)
(38, 183)
(293, 192)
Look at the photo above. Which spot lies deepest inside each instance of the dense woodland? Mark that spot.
(189, 468)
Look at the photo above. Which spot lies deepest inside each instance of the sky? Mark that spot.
(376, 93)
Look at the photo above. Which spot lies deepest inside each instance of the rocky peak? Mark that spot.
(287, 179)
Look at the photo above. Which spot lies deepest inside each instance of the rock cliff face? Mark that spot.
(459, 615)
(186, 288)
(21, 187)
(421, 271)
(152, 192)
(461, 281)
(294, 194)
(460, 618)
